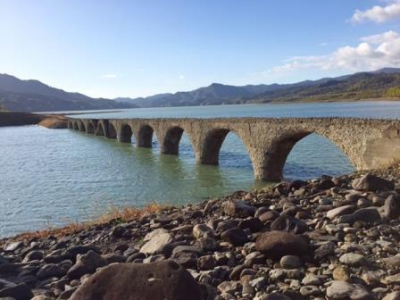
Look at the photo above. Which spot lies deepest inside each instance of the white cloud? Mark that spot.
(378, 14)
(381, 38)
(181, 77)
(109, 76)
(323, 44)
(374, 52)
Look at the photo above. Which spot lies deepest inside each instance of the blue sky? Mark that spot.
(139, 48)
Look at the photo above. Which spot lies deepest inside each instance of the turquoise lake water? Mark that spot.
(52, 177)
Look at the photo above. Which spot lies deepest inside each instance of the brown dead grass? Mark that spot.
(54, 122)
(113, 215)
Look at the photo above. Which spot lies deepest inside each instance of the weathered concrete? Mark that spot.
(369, 143)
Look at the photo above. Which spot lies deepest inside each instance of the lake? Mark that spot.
(53, 177)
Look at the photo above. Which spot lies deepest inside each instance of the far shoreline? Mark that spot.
(80, 112)
(25, 118)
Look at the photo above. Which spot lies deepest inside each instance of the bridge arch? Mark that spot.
(82, 126)
(212, 143)
(112, 132)
(89, 127)
(170, 144)
(75, 125)
(275, 156)
(125, 134)
(145, 136)
(100, 130)
(78, 125)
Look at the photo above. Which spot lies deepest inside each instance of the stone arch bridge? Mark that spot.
(369, 143)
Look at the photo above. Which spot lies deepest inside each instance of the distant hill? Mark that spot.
(384, 83)
(33, 95)
(214, 94)
(355, 87)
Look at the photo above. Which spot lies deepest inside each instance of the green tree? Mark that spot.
(393, 92)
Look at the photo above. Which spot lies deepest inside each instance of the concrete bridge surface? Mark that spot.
(369, 143)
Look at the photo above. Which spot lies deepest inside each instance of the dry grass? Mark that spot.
(113, 214)
(128, 214)
(53, 122)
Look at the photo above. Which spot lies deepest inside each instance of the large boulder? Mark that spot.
(368, 215)
(86, 264)
(296, 184)
(343, 290)
(14, 291)
(238, 209)
(33, 255)
(157, 242)
(391, 208)
(341, 210)
(372, 183)
(165, 280)
(202, 230)
(50, 270)
(290, 224)
(73, 251)
(276, 244)
(235, 236)
(253, 224)
(12, 246)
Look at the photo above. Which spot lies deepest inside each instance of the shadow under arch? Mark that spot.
(172, 139)
(126, 134)
(82, 126)
(145, 136)
(75, 125)
(89, 127)
(286, 146)
(100, 130)
(112, 132)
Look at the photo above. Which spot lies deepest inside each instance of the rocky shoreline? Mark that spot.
(329, 238)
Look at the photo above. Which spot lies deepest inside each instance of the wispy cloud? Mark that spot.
(109, 76)
(374, 52)
(378, 14)
(181, 77)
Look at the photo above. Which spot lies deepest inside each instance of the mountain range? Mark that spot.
(32, 95)
(366, 85)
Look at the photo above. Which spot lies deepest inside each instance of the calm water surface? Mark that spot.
(53, 177)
